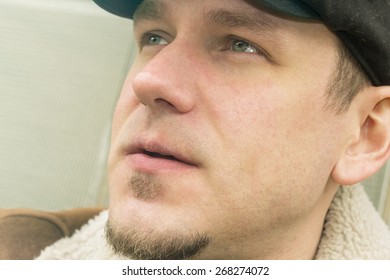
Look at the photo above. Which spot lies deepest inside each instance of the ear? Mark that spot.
(368, 154)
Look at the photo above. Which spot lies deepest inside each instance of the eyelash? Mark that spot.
(235, 39)
(145, 41)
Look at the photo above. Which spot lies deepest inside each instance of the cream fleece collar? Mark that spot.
(352, 230)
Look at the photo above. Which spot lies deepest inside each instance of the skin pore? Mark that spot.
(222, 144)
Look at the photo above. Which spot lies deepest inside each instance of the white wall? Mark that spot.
(62, 63)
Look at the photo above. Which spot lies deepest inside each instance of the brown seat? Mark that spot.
(25, 232)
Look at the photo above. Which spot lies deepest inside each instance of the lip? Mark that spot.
(152, 156)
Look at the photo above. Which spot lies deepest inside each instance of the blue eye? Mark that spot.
(242, 46)
(153, 40)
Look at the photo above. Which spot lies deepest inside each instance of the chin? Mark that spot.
(157, 218)
(154, 238)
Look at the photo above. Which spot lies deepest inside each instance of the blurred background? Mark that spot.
(62, 65)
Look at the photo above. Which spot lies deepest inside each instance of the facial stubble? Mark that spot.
(145, 187)
(168, 244)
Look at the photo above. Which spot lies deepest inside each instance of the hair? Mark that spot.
(153, 246)
(346, 82)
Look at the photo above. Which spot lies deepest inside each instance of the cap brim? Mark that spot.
(122, 8)
(126, 8)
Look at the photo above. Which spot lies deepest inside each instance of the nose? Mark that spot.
(167, 81)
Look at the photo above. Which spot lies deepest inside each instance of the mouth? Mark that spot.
(162, 156)
(151, 157)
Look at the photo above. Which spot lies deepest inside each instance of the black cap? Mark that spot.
(362, 25)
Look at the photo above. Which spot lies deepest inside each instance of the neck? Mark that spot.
(299, 240)
(296, 239)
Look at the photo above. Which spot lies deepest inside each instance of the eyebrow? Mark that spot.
(151, 10)
(254, 20)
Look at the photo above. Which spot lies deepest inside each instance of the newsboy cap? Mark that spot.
(362, 25)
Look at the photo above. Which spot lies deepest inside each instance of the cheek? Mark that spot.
(276, 146)
(126, 104)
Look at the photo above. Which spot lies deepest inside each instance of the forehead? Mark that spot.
(285, 37)
(230, 13)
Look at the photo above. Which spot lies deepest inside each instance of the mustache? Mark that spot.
(175, 136)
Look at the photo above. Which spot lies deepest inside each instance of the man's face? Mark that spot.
(222, 141)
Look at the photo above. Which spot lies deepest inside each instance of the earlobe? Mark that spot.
(363, 158)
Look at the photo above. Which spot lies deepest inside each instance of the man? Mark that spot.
(239, 130)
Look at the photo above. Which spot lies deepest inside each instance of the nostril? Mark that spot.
(160, 93)
(163, 102)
